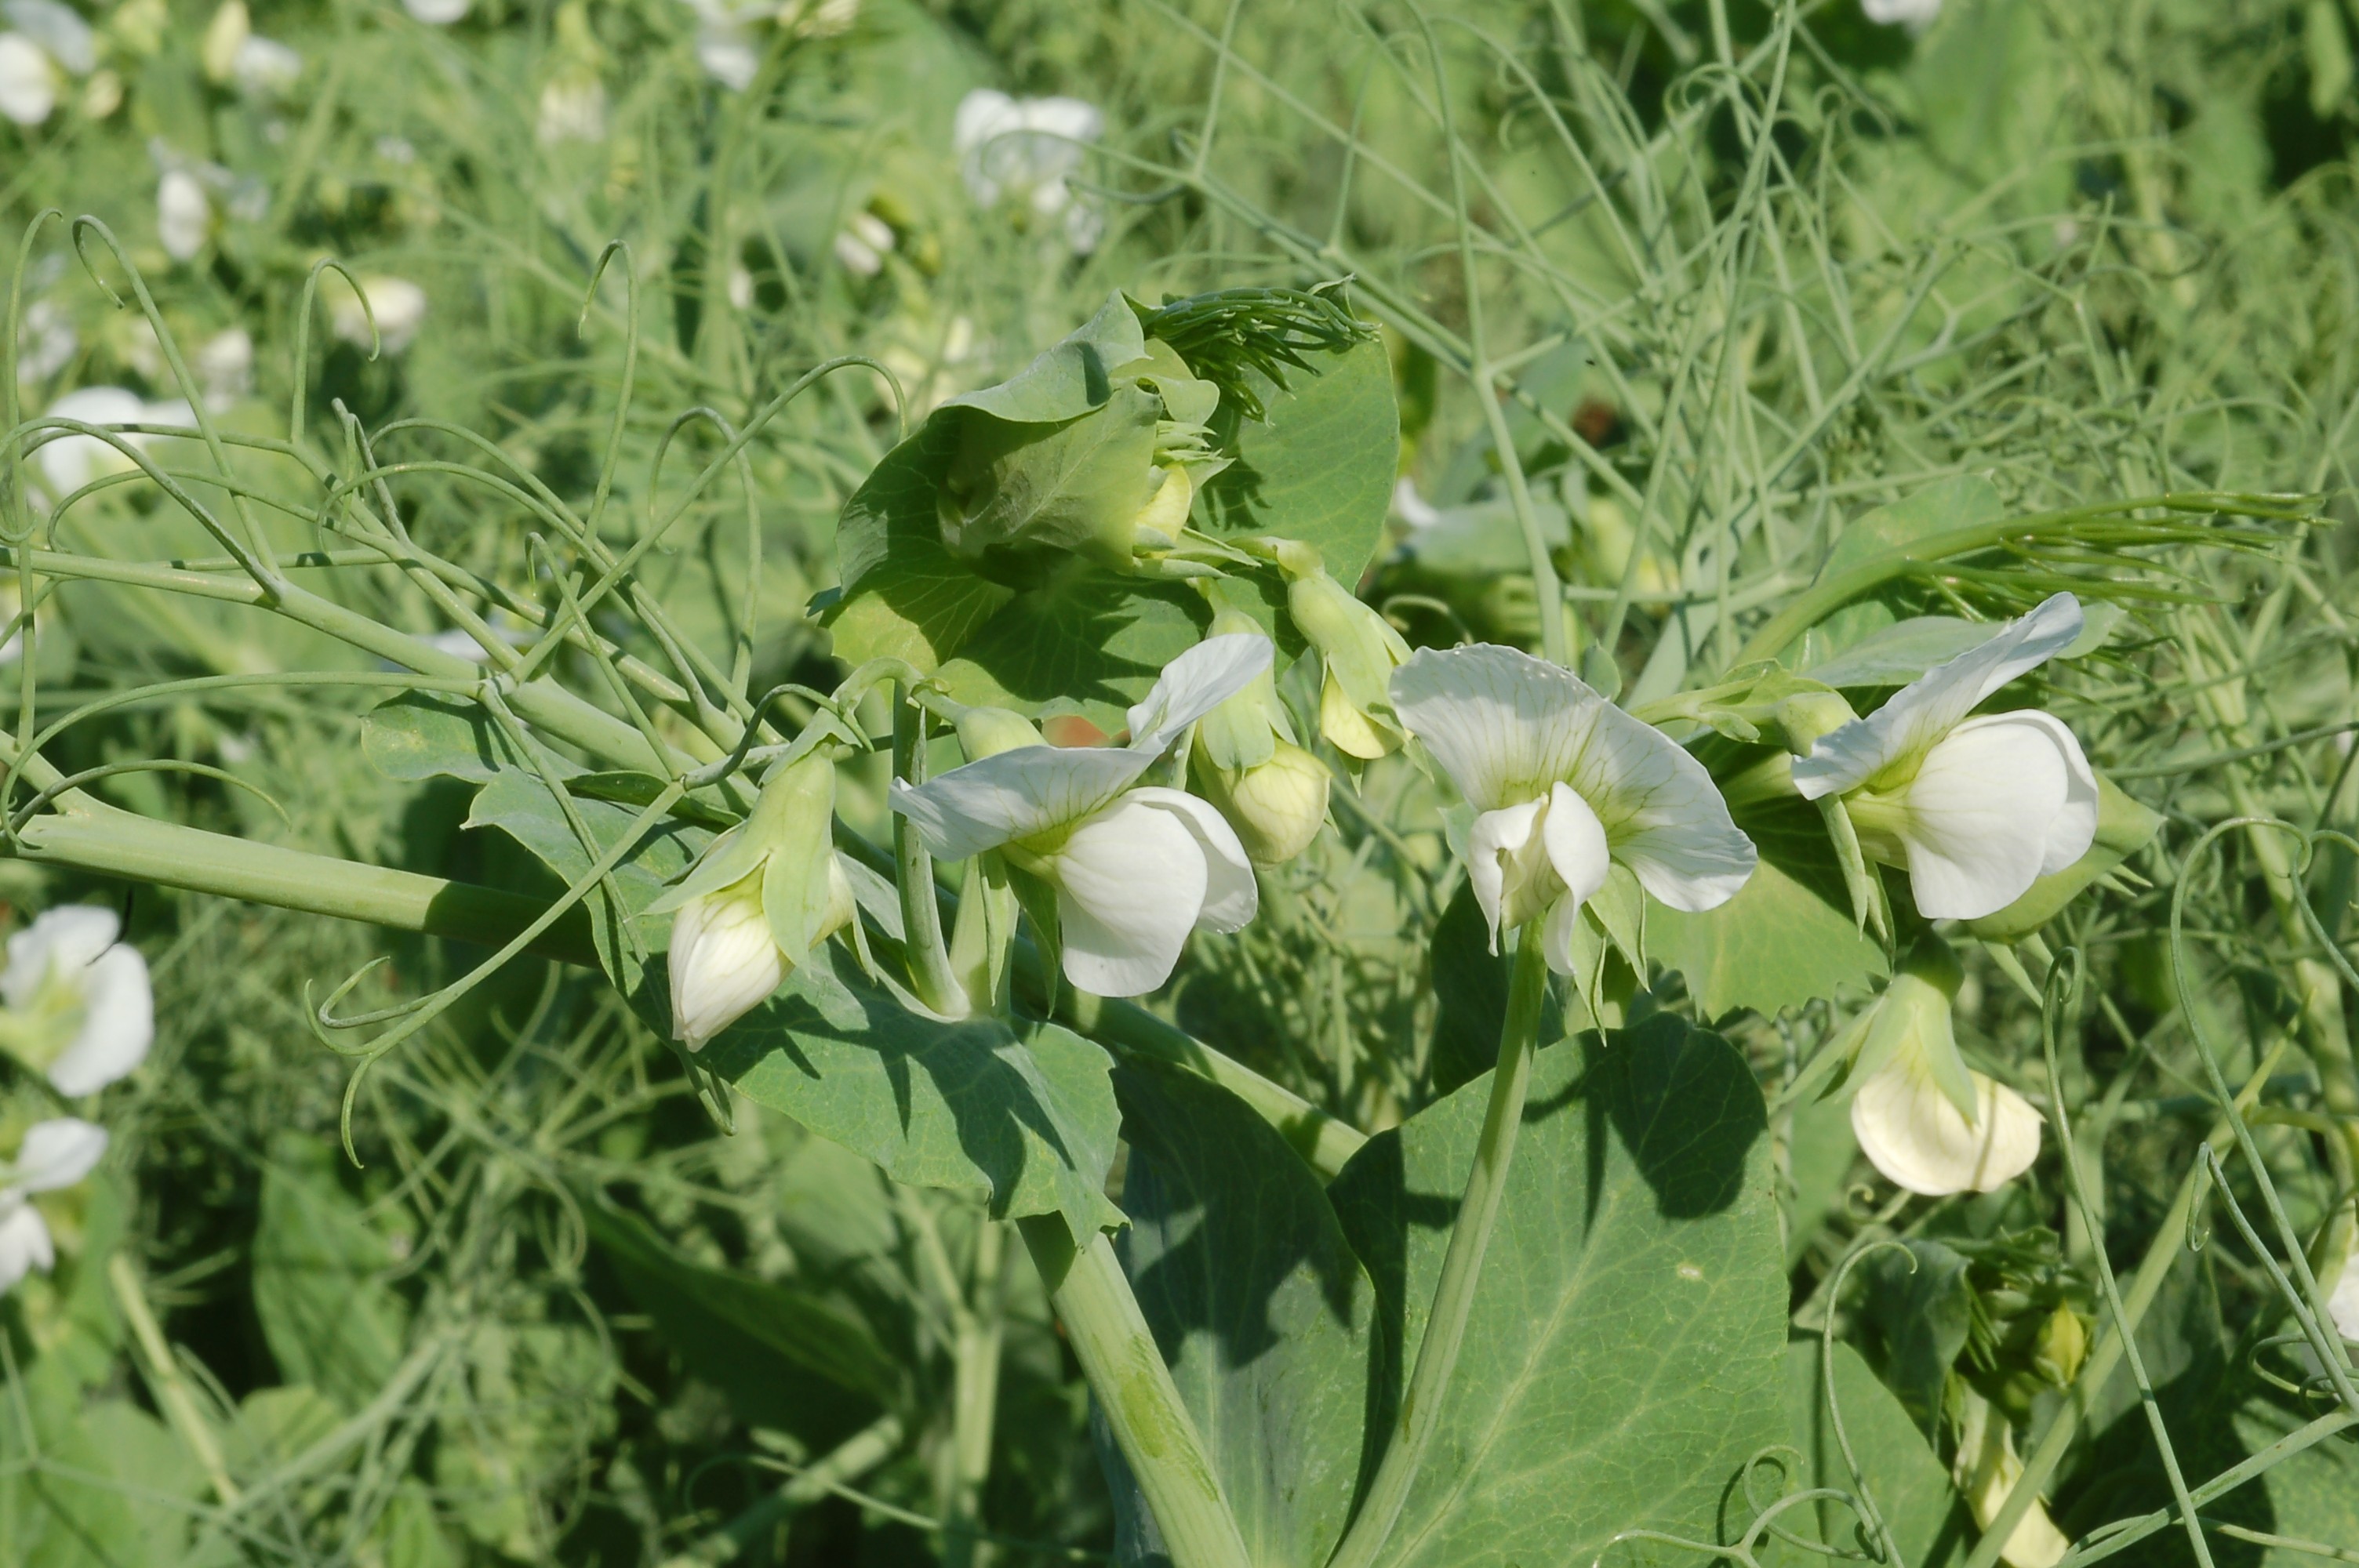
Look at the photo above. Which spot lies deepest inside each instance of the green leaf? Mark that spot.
(1901, 651)
(1627, 1352)
(421, 735)
(1258, 1303)
(1960, 502)
(905, 594)
(319, 1278)
(1087, 642)
(2314, 1495)
(1787, 938)
(1069, 378)
(1026, 1125)
(786, 1358)
(90, 1484)
(1470, 990)
(1075, 486)
(1909, 1486)
(1321, 469)
(1918, 1304)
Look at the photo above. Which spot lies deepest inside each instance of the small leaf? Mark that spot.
(1321, 469)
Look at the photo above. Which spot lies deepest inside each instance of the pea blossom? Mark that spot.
(79, 1008)
(1976, 808)
(1566, 786)
(54, 1153)
(1923, 1118)
(1135, 868)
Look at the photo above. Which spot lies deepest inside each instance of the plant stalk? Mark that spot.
(1133, 1387)
(1462, 1266)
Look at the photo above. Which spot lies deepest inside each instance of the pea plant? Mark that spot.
(1782, 883)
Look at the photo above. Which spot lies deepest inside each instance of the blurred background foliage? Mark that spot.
(1744, 297)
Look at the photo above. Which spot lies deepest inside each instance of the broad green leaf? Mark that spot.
(785, 1357)
(1069, 378)
(1918, 1304)
(91, 1484)
(1909, 1486)
(1027, 1126)
(319, 1279)
(1258, 1303)
(1787, 938)
(1901, 651)
(1075, 486)
(905, 596)
(275, 1426)
(1627, 1352)
(1321, 469)
(423, 735)
(2312, 1497)
(1087, 641)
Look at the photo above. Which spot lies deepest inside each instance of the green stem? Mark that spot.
(974, 1395)
(859, 1453)
(1125, 1371)
(913, 871)
(1462, 1266)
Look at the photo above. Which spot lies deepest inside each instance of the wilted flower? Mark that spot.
(80, 1009)
(1567, 786)
(53, 1154)
(69, 461)
(1927, 1121)
(1025, 150)
(1986, 1471)
(763, 895)
(1247, 764)
(1134, 869)
(1977, 809)
(184, 214)
(397, 304)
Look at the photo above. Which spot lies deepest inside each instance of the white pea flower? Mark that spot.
(1566, 785)
(1977, 809)
(725, 42)
(79, 1004)
(184, 214)
(69, 461)
(437, 13)
(54, 1155)
(573, 109)
(29, 81)
(397, 304)
(760, 899)
(2342, 1299)
(863, 243)
(1914, 14)
(1986, 1470)
(264, 67)
(1025, 150)
(1923, 1118)
(1135, 868)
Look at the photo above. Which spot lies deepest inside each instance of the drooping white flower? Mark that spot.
(29, 81)
(184, 213)
(1025, 150)
(1923, 1118)
(864, 242)
(79, 1003)
(762, 896)
(1565, 784)
(397, 304)
(1977, 809)
(1986, 1470)
(69, 461)
(1135, 868)
(55, 1153)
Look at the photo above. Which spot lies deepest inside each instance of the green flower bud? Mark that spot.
(1358, 649)
(2062, 1345)
(760, 898)
(1277, 805)
(987, 731)
(1806, 715)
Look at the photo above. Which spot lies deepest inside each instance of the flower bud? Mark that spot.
(1360, 651)
(1805, 716)
(987, 731)
(2062, 1345)
(1277, 805)
(763, 895)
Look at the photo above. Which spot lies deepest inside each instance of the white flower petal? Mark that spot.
(1663, 813)
(57, 1153)
(1981, 814)
(1929, 708)
(1015, 794)
(69, 461)
(1500, 863)
(1232, 897)
(2343, 1302)
(1194, 683)
(437, 13)
(723, 963)
(1130, 884)
(118, 1023)
(1503, 724)
(2075, 827)
(23, 1242)
(59, 29)
(65, 941)
(29, 83)
(1912, 1132)
(184, 214)
(1562, 925)
(1576, 843)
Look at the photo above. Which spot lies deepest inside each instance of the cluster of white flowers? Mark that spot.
(1023, 150)
(43, 46)
(80, 1011)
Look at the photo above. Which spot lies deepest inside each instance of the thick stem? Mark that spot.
(1462, 1266)
(1133, 1387)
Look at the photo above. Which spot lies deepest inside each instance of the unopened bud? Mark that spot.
(1360, 651)
(1277, 807)
(229, 28)
(987, 731)
(1805, 716)
(2062, 1345)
